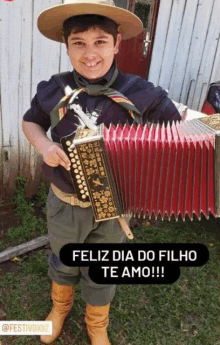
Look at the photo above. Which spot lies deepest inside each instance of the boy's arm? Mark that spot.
(53, 155)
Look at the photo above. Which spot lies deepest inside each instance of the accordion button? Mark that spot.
(77, 177)
(72, 155)
(82, 192)
(74, 166)
(69, 149)
(68, 143)
(80, 186)
(76, 171)
(72, 160)
(83, 196)
(76, 156)
(87, 193)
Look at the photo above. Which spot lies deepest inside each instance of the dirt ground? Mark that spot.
(9, 219)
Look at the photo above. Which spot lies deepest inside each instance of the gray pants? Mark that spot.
(73, 224)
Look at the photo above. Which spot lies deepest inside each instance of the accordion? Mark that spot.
(148, 170)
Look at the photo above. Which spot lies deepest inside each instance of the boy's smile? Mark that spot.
(92, 52)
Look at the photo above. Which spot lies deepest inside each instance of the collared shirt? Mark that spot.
(151, 101)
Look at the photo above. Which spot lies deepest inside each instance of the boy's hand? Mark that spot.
(54, 155)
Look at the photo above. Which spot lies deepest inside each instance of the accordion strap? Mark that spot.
(125, 227)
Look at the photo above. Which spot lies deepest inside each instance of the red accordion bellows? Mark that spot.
(163, 171)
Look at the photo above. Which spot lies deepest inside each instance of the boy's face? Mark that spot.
(92, 52)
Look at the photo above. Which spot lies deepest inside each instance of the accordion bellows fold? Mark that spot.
(164, 171)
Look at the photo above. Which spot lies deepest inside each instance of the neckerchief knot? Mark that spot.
(93, 90)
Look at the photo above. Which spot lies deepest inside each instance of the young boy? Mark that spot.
(92, 31)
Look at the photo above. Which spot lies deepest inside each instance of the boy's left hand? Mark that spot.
(54, 155)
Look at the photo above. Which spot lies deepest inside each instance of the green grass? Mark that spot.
(183, 313)
(31, 226)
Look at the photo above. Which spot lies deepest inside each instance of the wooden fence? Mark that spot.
(186, 53)
(185, 59)
(26, 58)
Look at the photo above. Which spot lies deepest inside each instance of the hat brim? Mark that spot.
(50, 21)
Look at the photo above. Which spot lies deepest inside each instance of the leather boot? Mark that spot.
(97, 320)
(63, 297)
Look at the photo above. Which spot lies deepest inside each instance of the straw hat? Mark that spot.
(50, 21)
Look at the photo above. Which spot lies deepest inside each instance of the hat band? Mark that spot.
(98, 2)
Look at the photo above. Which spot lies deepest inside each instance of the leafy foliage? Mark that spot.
(31, 225)
(142, 10)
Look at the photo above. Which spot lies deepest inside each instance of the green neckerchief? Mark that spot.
(93, 90)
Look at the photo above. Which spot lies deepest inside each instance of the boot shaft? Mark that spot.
(97, 321)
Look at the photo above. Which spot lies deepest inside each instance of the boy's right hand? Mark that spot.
(54, 155)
